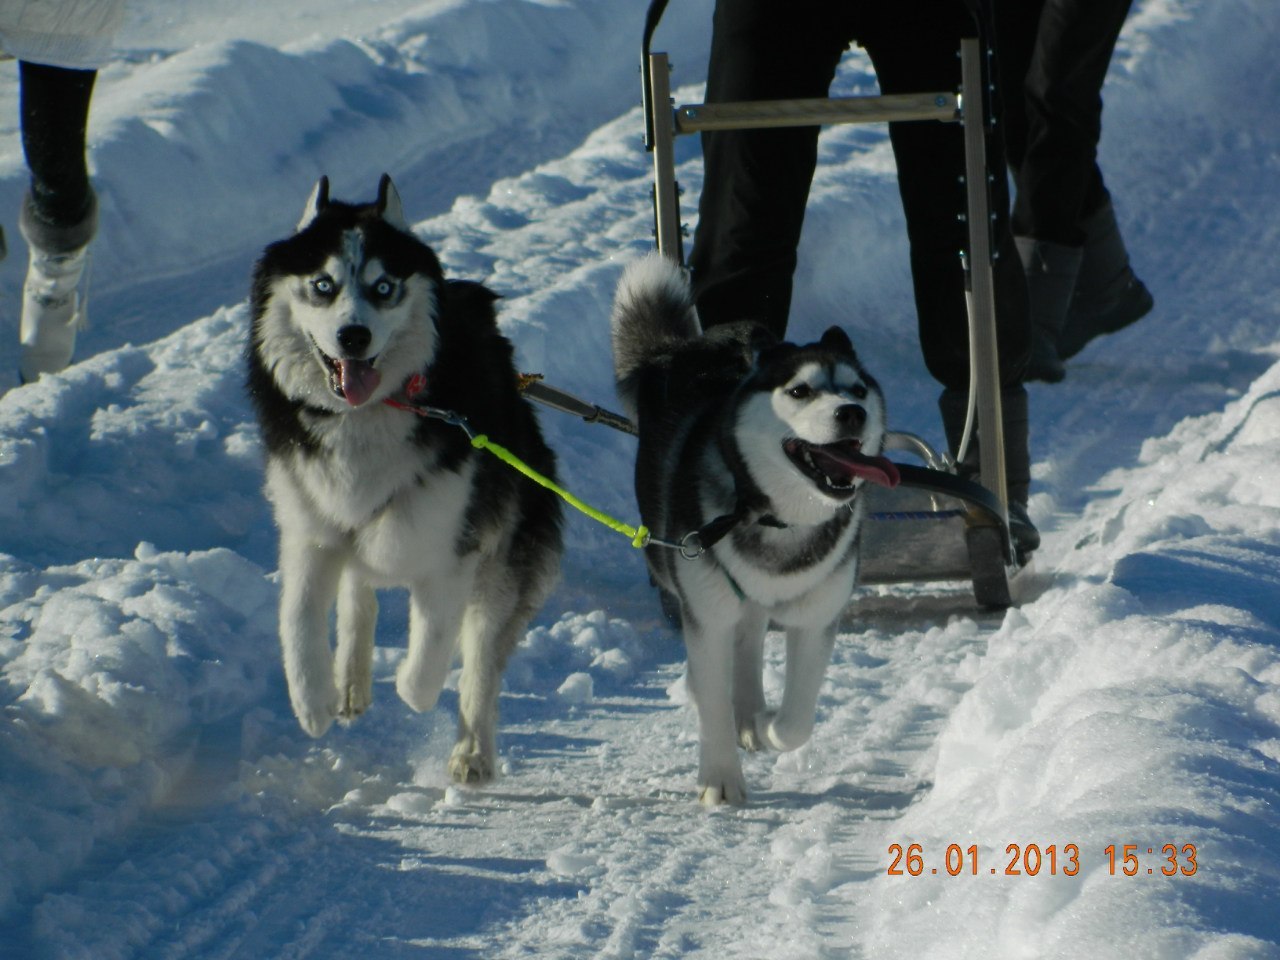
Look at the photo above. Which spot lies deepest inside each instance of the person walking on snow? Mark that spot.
(59, 45)
(1056, 54)
(756, 186)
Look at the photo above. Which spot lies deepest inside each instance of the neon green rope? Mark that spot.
(639, 535)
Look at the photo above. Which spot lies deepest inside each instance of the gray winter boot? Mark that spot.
(1108, 295)
(1051, 270)
(51, 303)
(953, 405)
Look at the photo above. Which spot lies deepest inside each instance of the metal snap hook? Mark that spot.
(691, 547)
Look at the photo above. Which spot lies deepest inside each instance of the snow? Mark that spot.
(157, 798)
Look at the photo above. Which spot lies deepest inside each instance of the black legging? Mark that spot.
(756, 183)
(55, 116)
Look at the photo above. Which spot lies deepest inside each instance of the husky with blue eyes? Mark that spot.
(753, 458)
(355, 331)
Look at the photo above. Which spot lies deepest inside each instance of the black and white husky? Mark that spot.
(756, 451)
(350, 314)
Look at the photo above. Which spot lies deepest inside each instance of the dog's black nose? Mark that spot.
(851, 415)
(354, 340)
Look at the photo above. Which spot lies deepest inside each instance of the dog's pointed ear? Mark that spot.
(389, 207)
(762, 343)
(837, 341)
(760, 340)
(318, 200)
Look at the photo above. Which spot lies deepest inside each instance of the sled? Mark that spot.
(936, 525)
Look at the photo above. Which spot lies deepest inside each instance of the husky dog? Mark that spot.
(352, 315)
(755, 452)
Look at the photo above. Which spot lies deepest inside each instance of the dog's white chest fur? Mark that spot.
(370, 486)
(812, 594)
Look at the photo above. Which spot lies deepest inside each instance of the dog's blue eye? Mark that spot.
(801, 391)
(384, 289)
(324, 286)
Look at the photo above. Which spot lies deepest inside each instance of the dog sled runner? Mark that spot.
(935, 525)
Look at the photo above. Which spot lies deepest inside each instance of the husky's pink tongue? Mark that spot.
(358, 380)
(874, 469)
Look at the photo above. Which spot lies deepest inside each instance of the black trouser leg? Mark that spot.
(914, 53)
(756, 182)
(1058, 53)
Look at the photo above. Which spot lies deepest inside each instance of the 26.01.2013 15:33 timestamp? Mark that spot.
(1033, 859)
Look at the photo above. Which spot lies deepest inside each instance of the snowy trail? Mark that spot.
(591, 844)
(158, 798)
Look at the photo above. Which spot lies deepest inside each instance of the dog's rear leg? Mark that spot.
(808, 654)
(748, 677)
(353, 667)
(491, 630)
(309, 579)
(435, 612)
(710, 680)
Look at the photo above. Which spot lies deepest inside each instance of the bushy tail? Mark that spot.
(652, 313)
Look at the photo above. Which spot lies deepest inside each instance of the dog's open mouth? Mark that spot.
(836, 466)
(353, 380)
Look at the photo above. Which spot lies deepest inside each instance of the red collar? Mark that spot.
(413, 388)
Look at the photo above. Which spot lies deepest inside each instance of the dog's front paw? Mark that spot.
(467, 764)
(315, 710)
(753, 735)
(355, 700)
(750, 741)
(355, 690)
(763, 732)
(730, 790)
(418, 691)
(781, 733)
(721, 782)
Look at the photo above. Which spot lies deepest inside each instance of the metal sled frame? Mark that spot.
(935, 525)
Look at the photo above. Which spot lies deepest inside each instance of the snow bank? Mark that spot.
(1136, 702)
(110, 670)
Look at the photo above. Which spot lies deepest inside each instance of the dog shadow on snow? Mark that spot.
(873, 803)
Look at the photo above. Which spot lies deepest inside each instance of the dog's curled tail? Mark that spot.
(652, 313)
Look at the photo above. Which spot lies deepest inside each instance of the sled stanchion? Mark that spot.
(990, 547)
(666, 191)
(985, 385)
(651, 18)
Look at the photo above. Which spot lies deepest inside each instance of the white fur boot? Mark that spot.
(52, 306)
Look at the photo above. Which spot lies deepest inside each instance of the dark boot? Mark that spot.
(1051, 270)
(1108, 295)
(953, 404)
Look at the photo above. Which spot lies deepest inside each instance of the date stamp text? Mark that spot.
(1034, 859)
